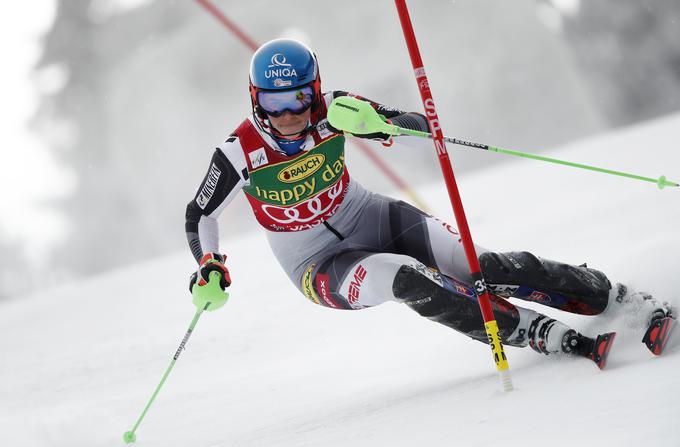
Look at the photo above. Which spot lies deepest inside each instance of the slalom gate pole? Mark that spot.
(130, 436)
(480, 288)
(397, 181)
(243, 37)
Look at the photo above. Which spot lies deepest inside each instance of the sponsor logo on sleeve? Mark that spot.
(258, 158)
(355, 285)
(209, 188)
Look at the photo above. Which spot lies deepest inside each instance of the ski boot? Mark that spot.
(642, 310)
(659, 330)
(548, 336)
(596, 349)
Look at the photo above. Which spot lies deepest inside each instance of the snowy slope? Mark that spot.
(78, 364)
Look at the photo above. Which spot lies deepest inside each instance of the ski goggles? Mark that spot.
(296, 101)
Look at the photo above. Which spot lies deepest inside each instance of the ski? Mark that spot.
(658, 334)
(601, 347)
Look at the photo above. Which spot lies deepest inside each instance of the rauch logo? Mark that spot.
(302, 169)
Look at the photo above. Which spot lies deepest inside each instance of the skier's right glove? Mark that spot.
(211, 262)
(208, 283)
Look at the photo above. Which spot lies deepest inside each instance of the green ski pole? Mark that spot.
(358, 117)
(201, 294)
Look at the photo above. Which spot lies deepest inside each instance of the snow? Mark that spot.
(78, 364)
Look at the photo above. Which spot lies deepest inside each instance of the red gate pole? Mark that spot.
(243, 37)
(481, 290)
(390, 174)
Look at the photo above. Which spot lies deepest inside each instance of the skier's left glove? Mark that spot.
(387, 140)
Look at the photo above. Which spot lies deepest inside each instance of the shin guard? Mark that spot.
(566, 287)
(431, 297)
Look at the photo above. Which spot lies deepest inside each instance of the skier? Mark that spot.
(347, 248)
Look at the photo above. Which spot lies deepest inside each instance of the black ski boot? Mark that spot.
(596, 349)
(659, 331)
